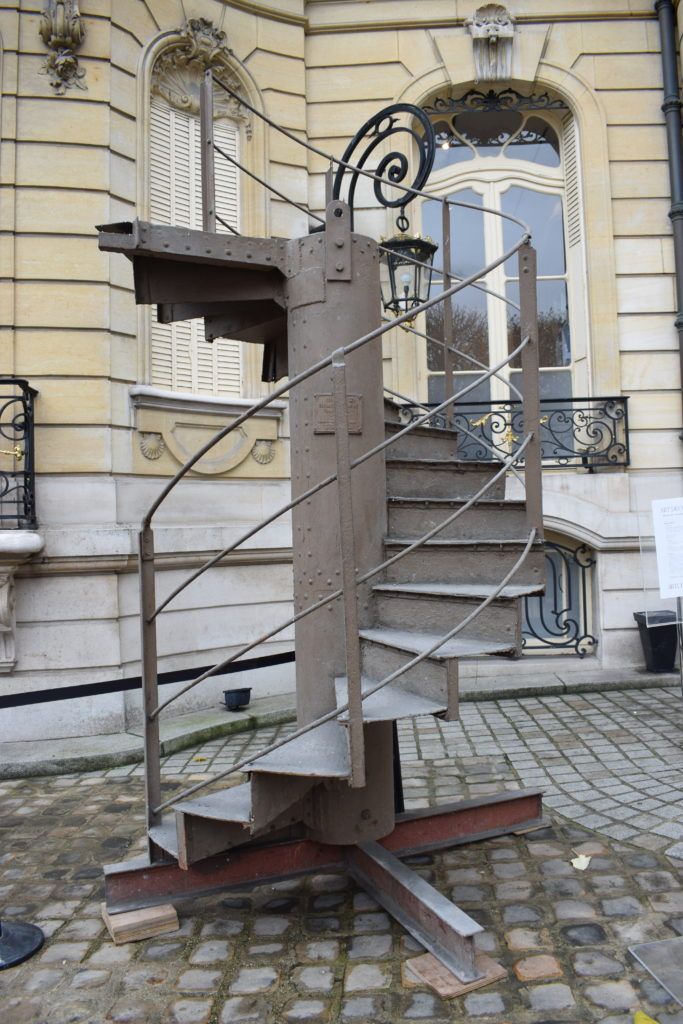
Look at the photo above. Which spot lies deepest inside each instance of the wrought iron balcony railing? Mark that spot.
(587, 432)
(17, 471)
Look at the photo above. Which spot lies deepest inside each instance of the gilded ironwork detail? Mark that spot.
(179, 70)
(587, 432)
(62, 30)
(17, 480)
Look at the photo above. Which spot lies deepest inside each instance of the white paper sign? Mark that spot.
(667, 518)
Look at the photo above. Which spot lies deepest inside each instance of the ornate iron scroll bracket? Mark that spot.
(62, 30)
(395, 165)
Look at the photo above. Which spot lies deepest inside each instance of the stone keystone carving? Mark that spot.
(179, 70)
(62, 30)
(492, 28)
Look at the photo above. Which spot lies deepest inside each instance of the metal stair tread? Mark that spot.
(392, 427)
(416, 643)
(388, 704)
(512, 503)
(456, 465)
(476, 590)
(165, 835)
(233, 804)
(462, 542)
(322, 752)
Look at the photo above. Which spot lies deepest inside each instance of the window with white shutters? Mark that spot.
(181, 359)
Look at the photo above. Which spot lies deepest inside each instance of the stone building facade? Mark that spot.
(105, 129)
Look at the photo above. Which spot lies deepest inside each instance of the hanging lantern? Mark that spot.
(409, 261)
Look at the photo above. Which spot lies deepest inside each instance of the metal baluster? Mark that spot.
(448, 332)
(530, 387)
(150, 686)
(348, 571)
(207, 152)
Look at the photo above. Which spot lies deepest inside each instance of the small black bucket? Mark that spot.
(235, 700)
(659, 637)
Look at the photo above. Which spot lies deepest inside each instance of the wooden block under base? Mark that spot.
(140, 924)
(427, 970)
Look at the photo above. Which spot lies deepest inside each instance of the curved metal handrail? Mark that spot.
(215, 669)
(490, 372)
(321, 364)
(341, 708)
(407, 189)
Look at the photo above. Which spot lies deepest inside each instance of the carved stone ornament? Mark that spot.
(179, 70)
(152, 445)
(263, 452)
(7, 645)
(492, 28)
(62, 30)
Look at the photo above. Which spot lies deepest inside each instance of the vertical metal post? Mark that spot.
(150, 687)
(329, 182)
(207, 152)
(348, 571)
(448, 333)
(530, 387)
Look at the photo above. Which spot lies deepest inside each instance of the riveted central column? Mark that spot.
(333, 297)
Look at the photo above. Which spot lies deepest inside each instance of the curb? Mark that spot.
(183, 736)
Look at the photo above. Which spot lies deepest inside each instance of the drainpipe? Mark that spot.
(672, 113)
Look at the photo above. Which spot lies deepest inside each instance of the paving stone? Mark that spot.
(520, 914)
(613, 995)
(537, 968)
(370, 947)
(199, 981)
(163, 950)
(574, 910)
(624, 906)
(551, 997)
(42, 980)
(264, 925)
(371, 923)
(424, 1006)
(524, 938)
(191, 1011)
(327, 949)
(305, 1009)
(359, 1008)
(90, 979)
(254, 979)
(237, 1010)
(64, 952)
(585, 934)
(595, 964)
(210, 952)
(484, 1004)
(366, 976)
(315, 979)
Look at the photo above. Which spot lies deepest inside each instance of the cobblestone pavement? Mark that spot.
(607, 761)
(317, 948)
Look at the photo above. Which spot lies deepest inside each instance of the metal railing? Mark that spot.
(17, 450)
(351, 579)
(586, 432)
(560, 619)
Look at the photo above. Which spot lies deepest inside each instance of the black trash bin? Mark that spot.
(659, 637)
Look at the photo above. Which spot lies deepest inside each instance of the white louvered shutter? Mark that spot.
(181, 359)
(570, 147)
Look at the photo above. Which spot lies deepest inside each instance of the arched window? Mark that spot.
(180, 358)
(516, 154)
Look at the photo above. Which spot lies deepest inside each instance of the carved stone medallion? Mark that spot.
(178, 72)
(152, 445)
(492, 28)
(263, 452)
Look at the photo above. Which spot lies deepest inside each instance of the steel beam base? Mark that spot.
(439, 925)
